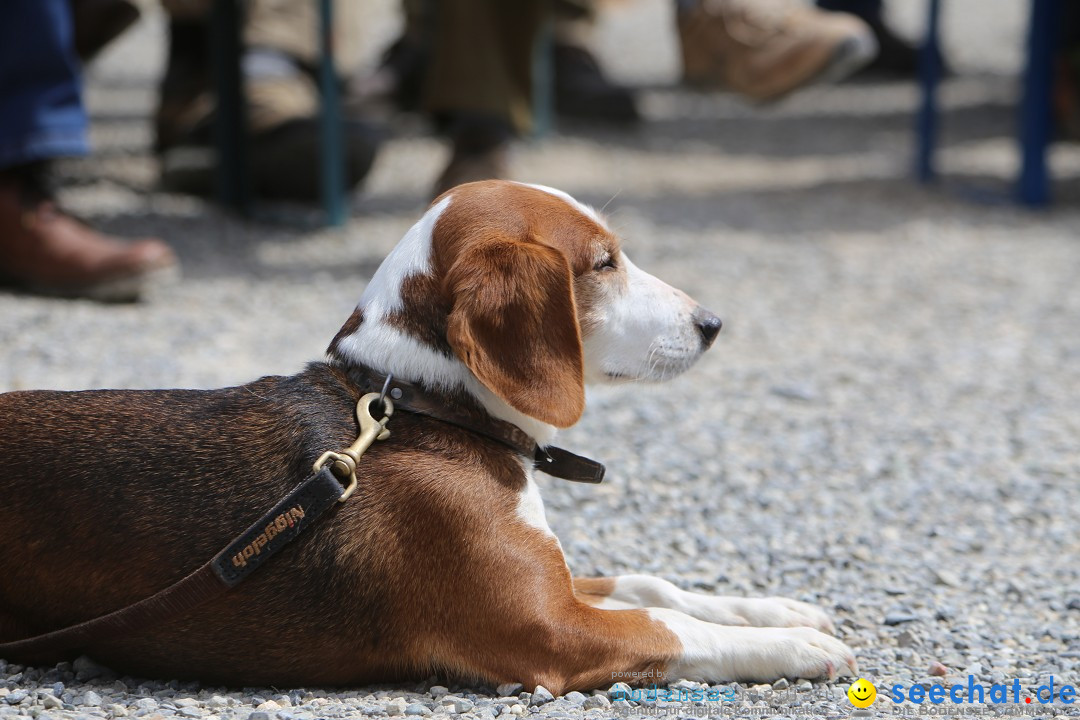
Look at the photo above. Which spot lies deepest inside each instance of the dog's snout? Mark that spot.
(707, 324)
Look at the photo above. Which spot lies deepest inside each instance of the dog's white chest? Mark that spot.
(530, 507)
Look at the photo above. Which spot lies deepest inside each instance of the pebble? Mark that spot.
(508, 689)
(594, 702)
(417, 709)
(938, 670)
(540, 696)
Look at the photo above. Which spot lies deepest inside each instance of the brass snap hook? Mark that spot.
(345, 461)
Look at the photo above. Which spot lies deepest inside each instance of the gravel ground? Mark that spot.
(887, 426)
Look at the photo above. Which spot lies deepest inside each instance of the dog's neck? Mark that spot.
(385, 349)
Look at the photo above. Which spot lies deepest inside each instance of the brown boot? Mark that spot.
(765, 49)
(46, 251)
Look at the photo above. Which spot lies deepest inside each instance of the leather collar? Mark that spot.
(411, 398)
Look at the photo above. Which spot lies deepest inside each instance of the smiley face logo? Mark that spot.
(862, 693)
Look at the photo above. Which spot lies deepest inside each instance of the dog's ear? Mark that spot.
(514, 325)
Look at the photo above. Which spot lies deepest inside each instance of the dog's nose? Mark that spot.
(707, 324)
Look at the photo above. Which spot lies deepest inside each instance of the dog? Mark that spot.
(497, 306)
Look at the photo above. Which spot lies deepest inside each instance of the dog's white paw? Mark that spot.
(716, 653)
(766, 654)
(779, 612)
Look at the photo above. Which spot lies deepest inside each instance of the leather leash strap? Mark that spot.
(241, 557)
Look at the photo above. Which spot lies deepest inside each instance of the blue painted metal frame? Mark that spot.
(1036, 107)
(1035, 111)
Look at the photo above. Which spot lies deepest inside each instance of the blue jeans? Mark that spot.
(41, 109)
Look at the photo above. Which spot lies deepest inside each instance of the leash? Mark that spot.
(245, 554)
(332, 481)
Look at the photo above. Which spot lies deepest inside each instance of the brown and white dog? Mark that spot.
(504, 299)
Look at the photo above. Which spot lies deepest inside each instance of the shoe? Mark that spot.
(46, 251)
(582, 91)
(98, 22)
(766, 49)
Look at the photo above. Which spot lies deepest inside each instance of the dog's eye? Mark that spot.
(606, 264)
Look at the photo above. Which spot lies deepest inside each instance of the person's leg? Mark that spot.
(43, 115)
(42, 118)
(479, 81)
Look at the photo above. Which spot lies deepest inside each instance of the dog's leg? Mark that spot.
(630, 591)
(584, 647)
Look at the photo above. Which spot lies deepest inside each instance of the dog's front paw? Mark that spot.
(780, 613)
(766, 654)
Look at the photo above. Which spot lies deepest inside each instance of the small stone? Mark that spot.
(781, 684)
(619, 691)
(149, 704)
(804, 685)
(508, 689)
(938, 670)
(899, 618)
(437, 691)
(517, 709)
(975, 669)
(947, 578)
(259, 715)
(116, 711)
(540, 696)
(596, 701)
(269, 706)
(907, 638)
(217, 701)
(417, 709)
(458, 704)
(1073, 604)
(16, 697)
(185, 702)
(91, 698)
(574, 698)
(51, 702)
(394, 707)
(190, 712)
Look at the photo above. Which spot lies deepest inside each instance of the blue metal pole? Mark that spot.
(332, 142)
(929, 76)
(1036, 120)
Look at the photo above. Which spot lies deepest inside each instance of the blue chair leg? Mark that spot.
(331, 136)
(230, 129)
(1036, 119)
(929, 77)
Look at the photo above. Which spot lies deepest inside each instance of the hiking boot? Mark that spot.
(44, 250)
(766, 49)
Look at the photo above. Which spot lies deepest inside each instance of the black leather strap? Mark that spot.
(280, 526)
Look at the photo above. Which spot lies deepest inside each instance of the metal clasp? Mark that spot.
(345, 461)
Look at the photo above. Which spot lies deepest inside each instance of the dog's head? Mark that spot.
(520, 294)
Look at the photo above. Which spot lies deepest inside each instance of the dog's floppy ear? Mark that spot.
(514, 325)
